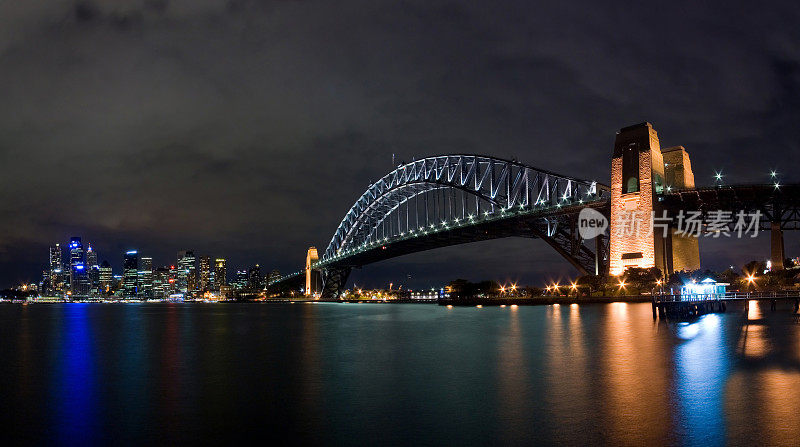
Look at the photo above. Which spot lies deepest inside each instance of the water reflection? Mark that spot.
(74, 379)
(587, 375)
(761, 401)
(634, 379)
(701, 369)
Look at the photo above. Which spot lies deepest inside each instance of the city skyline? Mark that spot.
(79, 274)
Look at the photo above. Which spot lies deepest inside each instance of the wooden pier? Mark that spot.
(691, 306)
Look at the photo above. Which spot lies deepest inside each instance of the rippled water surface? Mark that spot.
(397, 374)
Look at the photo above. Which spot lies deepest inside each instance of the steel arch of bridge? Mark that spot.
(484, 186)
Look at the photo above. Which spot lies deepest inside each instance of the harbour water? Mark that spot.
(393, 374)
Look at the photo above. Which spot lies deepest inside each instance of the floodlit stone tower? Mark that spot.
(313, 278)
(685, 249)
(639, 173)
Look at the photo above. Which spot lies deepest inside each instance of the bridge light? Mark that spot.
(773, 174)
(751, 279)
(574, 286)
(718, 176)
(777, 185)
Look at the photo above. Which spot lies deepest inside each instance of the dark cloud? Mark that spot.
(248, 128)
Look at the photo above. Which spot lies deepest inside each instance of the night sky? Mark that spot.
(247, 129)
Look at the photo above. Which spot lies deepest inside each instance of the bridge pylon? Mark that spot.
(639, 175)
(777, 254)
(313, 276)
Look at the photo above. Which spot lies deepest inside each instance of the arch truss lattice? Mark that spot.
(441, 190)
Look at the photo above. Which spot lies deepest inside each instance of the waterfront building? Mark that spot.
(187, 271)
(220, 273)
(130, 274)
(205, 273)
(705, 289)
(144, 278)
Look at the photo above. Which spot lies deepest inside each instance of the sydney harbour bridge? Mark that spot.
(456, 199)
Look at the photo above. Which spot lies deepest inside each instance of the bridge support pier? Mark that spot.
(334, 280)
(777, 253)
(599, 256)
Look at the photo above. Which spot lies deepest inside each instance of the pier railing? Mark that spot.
(727, 296)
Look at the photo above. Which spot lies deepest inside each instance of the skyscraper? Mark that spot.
(91, 256)
(205, 273)
(130, 273)
(187, 271)
(273, 276)
(56, 269)
(254, 280)
(220, 273)
(106, 278)
(144, 290)
(161, 283)
(240, 282)
(78, 275)
(93, 271)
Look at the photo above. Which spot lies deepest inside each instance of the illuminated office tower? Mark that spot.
(106, 278)
(205, 273)
(254, 280)
(172, 280)
(187, 272)
(144, 278)
(240, 280)
(78, 274)
(56, 269)
(93, 270)
(130, 274)
(273, 276)
(91, 256)
(220, 273)
(161, 283)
